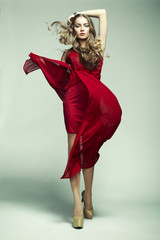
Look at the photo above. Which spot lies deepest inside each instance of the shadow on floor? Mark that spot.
(49, 196)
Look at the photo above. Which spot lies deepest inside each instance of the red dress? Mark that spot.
(90, 109)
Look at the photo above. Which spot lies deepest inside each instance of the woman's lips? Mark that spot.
(82, 34)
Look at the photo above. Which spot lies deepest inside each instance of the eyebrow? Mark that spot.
(83, 23)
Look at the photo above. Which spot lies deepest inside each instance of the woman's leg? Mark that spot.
(88, 180)
(75, 182)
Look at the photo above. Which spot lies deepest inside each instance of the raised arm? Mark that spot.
(102, 15)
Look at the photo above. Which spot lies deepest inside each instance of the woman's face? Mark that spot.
(81, 28)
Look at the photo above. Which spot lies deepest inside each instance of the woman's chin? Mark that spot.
(82, 37)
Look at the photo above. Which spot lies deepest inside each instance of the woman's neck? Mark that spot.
(82, 43)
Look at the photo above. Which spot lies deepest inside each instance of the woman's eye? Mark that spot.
(77, 26)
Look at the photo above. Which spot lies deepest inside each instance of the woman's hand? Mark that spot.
(69, 21)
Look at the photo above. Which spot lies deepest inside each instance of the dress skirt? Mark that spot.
(74, 106)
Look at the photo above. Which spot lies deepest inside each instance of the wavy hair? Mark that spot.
(90, 55)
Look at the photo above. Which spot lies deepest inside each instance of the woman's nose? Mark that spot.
(82, 27)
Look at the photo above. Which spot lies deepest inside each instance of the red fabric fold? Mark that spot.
(101, 117)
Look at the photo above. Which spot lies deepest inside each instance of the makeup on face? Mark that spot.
(81, 27)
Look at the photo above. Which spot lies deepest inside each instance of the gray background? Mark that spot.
(33, 139)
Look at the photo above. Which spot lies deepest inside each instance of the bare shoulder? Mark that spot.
(64, 55)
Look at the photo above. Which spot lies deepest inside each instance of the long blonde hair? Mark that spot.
(90, 55)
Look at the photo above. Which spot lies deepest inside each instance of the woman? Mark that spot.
(91, 111)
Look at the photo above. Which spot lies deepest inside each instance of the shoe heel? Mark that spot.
(87, 213)
(82, 200)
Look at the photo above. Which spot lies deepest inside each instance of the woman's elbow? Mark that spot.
(104, 11)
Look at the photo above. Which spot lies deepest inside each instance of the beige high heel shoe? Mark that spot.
(87, 213)
(78, 222)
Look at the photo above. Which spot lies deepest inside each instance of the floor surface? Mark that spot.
(32, 210)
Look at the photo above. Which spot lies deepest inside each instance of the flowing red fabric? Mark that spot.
(102, 114)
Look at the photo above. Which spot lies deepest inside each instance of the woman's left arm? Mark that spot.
(102, 15)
